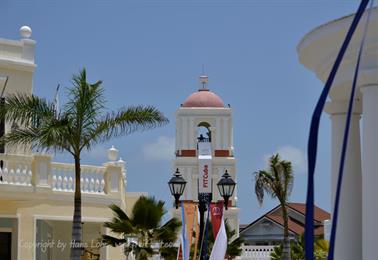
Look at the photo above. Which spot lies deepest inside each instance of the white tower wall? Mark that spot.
(219, 120)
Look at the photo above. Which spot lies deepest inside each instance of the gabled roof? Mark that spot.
(295, 226)
(319, 214)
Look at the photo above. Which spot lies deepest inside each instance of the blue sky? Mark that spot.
(151, 52)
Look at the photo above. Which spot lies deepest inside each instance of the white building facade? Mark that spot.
(357, 232)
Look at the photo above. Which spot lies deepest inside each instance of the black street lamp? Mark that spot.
(226, 187)
(177, 185)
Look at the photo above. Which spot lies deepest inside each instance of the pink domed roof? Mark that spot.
(203, 98)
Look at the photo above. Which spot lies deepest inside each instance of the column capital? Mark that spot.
(340, 107)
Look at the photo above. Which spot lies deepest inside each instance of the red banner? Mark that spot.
(216, 216)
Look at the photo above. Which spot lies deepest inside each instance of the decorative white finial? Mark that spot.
(112, 153)
(204, 79)
(25, 32)
(120, 160)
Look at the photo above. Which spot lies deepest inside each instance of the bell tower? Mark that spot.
(204, 147)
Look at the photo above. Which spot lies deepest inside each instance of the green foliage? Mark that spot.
(277, 253)
(145, 224)
(234, 247)
(297, 249)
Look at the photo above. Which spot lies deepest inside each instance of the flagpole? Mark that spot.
(203, 200)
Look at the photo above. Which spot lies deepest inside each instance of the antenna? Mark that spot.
(204, 79)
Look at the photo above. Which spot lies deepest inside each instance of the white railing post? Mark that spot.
(113, 178)
(41, 171)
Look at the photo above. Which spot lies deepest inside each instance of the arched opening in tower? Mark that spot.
(203, 132)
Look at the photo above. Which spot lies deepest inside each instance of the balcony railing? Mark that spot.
(92, 178)
(37, 171)
(256, 252)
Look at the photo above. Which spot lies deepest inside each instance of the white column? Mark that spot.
(348, 243)
(225, 133)
(178, 131)
(217, 134)
(192, 134)
(370, 172)
(184, 133)
(189, 184)
(183, 171)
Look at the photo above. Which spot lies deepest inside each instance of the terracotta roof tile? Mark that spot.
(293, 226)
(319, 214)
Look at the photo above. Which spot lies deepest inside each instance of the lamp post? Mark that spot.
(226, 186)
(177, 186)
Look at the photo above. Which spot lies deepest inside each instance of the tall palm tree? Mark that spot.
(80, 125)
(278, 183)
(145, 225)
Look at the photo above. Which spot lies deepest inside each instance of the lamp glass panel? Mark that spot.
(182, 188)
(171, 188)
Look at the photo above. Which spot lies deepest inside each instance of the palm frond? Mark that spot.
(169, 253)
(46, 138)
(112, 241)
(288, 177)
(125, 122)
(26, 109)
(84, 106)
(264, 182)
(121, 215)
(119, 226)
(147, 213)
(168, 232)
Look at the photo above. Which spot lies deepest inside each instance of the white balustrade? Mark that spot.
(257, 252)
(16, 170)
(91, 181)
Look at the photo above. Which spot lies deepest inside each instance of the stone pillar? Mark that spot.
(370, 171)
(26, 236)
(348, 243)
(41, 166)
(114, 179)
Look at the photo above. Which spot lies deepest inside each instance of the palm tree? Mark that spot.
(278, 183)
(80, 125)
(144, 224)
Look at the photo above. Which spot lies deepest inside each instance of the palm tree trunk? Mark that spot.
(286, 243)
(76, 245)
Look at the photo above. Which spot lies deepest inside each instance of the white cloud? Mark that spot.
(161, 149)
(295, 155)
